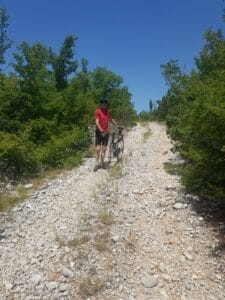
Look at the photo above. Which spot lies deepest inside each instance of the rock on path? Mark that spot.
(128, 232)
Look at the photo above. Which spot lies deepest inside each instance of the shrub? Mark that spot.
(16, 156)
(59, 148)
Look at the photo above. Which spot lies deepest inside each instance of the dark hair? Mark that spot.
(104, 100)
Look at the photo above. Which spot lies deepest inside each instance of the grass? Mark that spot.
(90, 152)
(144, 123)
(131, 241)
(8, 200)
(143, 153)
(59, 240)
(89, 287)
(172, 169)
(92, 270)
(105, 218)
(101, 245)
(130, 153)
(101, 242)
(20, 193)
(115, 171)
(79, 241)
(146, 135)
(53, 276)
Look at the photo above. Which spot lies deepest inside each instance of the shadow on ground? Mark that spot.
(213, 213)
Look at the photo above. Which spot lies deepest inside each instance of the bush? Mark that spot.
(19, 157)
(39, 131)
(16, 156)
(59, 148)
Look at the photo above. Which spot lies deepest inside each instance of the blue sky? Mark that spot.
(129, 37)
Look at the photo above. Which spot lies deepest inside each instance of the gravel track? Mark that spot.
(127, 232)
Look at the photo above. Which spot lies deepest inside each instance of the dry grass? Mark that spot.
(53, 276)
(89, 287)
(60, 241)
(131, 241)
(146, 135)
(172, 169)
(79, 241)
(76, 242)
(143, 153)
(8, 200)
(82, 254)
(92, 270)
(46, 176)
(144, 123)
(90, 152)
(101, 242)
(130, 153)
(101, 245)
(20, 193)
(115, 171)
(106, 218)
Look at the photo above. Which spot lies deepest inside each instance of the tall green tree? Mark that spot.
(212, 56)
(194, 109)
(171, 72)
(84, 64)
(32, 66)
(82, 80)
(171, 104)
(151, 105)
(64, 63)
(105, 81)
(5, 42)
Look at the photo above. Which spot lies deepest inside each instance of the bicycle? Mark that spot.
(116, 146)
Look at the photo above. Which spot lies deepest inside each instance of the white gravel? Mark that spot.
(128, 232)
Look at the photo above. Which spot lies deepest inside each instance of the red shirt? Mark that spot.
(104, 116)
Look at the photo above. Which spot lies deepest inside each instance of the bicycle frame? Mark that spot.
(116, 145)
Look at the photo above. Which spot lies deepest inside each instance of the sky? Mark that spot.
(131, 38)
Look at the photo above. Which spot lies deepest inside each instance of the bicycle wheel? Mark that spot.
(110, 153)
(120, 147)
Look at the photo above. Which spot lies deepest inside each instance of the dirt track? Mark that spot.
(128, 232)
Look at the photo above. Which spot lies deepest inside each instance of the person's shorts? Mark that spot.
(101, 140)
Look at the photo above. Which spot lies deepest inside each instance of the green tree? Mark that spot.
(5, 42)
(32, 66)
(82, 80)
(212, 55)
(84, 64)
(105, 81)
(151, 105)
(64, 64)
(171, 105)
(10, 105)
(171, 72)
(194, 109)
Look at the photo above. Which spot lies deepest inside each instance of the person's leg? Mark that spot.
(97, 150)
(103, 152)
(98, 157)
(101, 147)
(104, 148)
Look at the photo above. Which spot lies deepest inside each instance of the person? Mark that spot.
(103, 117)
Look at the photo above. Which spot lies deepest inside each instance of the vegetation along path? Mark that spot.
(128, 232)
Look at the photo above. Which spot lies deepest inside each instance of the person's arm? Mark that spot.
(114, 123)
(98, 125)
(97, 122)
